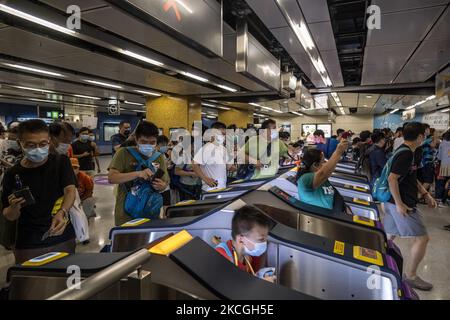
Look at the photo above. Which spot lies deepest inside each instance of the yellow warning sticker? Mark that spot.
(135, 222)
(238, 181)
(359, 189)
(360, 201)
(44, 259)
(339, 247)
(364, 221)
(219, 190)
(171, 244)
(368, 255)
(185, 203)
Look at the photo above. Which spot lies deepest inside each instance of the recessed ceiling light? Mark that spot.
(297, 113)
(148, 93)
(227, 88)
(194, 76)
(18, 66)
(394, 111)
(34, 89)
(133, 103)
(104, 84)
(86, 97)
(368, 96)
(142, 58)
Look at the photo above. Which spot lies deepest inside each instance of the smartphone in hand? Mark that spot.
(27, 195)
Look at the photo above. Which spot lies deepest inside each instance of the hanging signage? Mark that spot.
(51, 113)
(437, 120)
(196, 23)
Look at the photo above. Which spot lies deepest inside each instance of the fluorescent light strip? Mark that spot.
(34, 89)
(208, 105)
(342, 110)
(394, 111)
(277, 111)
(227, 88)
(194, 76)
(255, 104)
(148, 93)
(211, 117)
(297, 113)
(104, 84)
(446, 110)
(18, 66)
(181, 3)
(141, 111)
(142, 58)
(34, 19)
(224, 108)
(86, 97)
(133, 103)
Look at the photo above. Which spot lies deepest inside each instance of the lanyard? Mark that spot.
(236, 262)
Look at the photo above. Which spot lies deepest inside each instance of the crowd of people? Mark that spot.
(45, 168)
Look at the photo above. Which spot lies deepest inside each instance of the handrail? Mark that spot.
(105, 278)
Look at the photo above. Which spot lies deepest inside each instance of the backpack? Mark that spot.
(380, 189)
(142, 201)
(363, 164)
(175, 181)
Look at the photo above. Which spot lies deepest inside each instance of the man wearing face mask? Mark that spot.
(43, 224)
(122, 170)
(249, 232)
(84, 151)
(269, 140)
(10, 151)
(120, 138)
(61, 137)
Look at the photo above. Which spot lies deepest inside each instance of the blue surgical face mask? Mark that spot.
(84, 137)
(164, 149)
(260, 248)
(146, 149)
(37, 155)
(63, 148)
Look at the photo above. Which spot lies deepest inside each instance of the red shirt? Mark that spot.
(85, 186)
(254, 261)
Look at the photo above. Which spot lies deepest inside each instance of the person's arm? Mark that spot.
(12, 211)
(198, 171)
(161, 184)
(96, 154)
(325, 172)
(426, 195)
(182, 173)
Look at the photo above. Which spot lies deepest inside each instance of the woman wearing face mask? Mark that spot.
(249, 232)
(312, 177)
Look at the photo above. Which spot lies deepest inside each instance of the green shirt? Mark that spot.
(124, 162)
(322, 196)
(252, 149)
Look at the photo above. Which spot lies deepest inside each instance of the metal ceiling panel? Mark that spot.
(441, 30)
(387, 6)
(366, 100)
(315, 10)
(349, 100)
(267, 11)
(331, 61)
(427, 60)
(405, 26)
(84, 4)
(322, 34)
(289, 41)
(385, 102)
(382, 63)
(42, 49)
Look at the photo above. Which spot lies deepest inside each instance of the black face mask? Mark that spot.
(127, 132)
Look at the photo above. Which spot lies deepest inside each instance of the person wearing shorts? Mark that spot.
(402, 218)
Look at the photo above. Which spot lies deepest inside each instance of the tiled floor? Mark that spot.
(435, 267)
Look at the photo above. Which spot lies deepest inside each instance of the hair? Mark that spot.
(246, 218)
(55, 129)
(69, 129)
(310, 157)
(266, 123)
(356, 140)
(162, 140)
(399, 129)
(298, 144)
(365, 135)
(412, 131)
(146, 129)
(319, 133)
(377, 136)
(446, 136)
(426, 126)
(340, 131)
(284, 135)
(218, 125)
(32, 126)
(123, 122)
(84, 129)
(232, 127)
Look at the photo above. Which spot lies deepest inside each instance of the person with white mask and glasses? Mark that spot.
(211, 161)
(38, 193)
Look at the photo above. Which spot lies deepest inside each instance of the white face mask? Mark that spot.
(220, 139)
(260, 248)
(273, 134)
(63, 148)
(12, 144)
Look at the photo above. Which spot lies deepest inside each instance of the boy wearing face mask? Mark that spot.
(84, 151)
(122, 170)
(249, 232)
(42, 226)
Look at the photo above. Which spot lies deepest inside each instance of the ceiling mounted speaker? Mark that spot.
(353, 110)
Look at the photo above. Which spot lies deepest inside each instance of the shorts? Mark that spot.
(426, 174)
(398, 225)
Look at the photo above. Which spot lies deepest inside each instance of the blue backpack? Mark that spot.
(380, 189)
(142, 201)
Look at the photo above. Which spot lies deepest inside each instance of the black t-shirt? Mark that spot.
(86, 163)
(405, 164)
(117, 140)
(47, 184)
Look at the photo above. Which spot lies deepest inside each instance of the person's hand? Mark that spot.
(271, 279)
(86, 154)
(59, 223)
(430, 201)
(258, 165)
(145, 174)
(342, 146)
(403, 209)
(15, 203)
(210, 182)
(159, 184)
(193, 174)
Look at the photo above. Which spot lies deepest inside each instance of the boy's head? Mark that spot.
(365, 135)
(84, 134)
(75, 165)
(250, 230)
(378, 138)
(414, 132)
(147, 133)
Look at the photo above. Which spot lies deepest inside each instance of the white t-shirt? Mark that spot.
(212, 159)
(398, 142)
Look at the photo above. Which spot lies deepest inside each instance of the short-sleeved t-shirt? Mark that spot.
(117, 140)
(323, 196)
(124, 162)
(85, 185)
(378, 159)
(252, 148)
(213, 161)
(405, 164)
(86, 163)
(47, 183)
